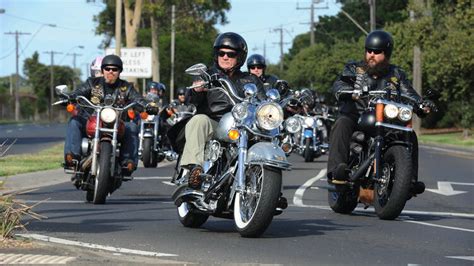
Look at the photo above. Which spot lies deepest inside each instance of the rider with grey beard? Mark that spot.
(373, 73)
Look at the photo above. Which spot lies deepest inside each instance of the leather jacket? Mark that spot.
(215, 103)
(353, 108)
(95, 89)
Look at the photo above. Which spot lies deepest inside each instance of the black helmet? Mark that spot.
(112, 60)
(157, 86)
(380, 40)
(256, 60)
(181, 91)
(232, 41)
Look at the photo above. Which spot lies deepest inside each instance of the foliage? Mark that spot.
(11, 214)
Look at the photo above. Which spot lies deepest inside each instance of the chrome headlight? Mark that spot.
(292, 125)
(150, 118)
(309, 122)
(405, 114)
(108, 115)
(319, 123)
(269, 116)
(240, 111)
(390, 111)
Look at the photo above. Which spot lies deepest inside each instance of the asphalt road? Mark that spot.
(29, 138)
(434, 229)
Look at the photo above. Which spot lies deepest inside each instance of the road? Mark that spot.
(31, 138)
(434, 229)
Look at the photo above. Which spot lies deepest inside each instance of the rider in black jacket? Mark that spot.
(96, 89)
(256, 66)
(230, 51)
(374, 73)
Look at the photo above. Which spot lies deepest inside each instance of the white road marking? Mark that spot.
(298, 197)
(11, 258)
(95, 246)
(442, 226)
(152, 178)
(168, 183)
(471, 258)
(445, 188)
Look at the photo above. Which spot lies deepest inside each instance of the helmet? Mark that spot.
(256, 60)
(112, 60)
(232, 41)
(181, 91)
(157, 86)
(95, 66)
(380, 40)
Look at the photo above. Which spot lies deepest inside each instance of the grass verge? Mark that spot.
(50, 158)
(454, 139)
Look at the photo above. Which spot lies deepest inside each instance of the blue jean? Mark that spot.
(76, 130)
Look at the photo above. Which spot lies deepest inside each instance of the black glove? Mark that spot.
(431, 105)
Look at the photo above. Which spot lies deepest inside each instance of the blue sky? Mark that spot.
(253, 19)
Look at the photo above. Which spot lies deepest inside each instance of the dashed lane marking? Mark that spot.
(152, 178)
(95, 246)
(471, 258)
(10, 258)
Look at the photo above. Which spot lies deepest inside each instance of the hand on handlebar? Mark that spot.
(428, 106)
(199, 86)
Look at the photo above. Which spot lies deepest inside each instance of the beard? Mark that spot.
(379, 69)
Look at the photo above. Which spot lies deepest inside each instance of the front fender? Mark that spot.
(269, 154)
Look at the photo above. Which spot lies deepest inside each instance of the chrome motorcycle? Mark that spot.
(242, 173)
(150, 150)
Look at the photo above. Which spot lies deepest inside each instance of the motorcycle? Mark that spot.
(99, 172)
(382, 171)
(242, 173)
(150, 150)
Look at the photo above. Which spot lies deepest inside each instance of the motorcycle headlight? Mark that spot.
(309, 122)
(269, 116)
(292, 125)
(108, 115)
(405, 114)
(390, 111)
(240, 111)
(319, 122)
(150, 118)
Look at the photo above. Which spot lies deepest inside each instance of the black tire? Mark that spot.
(343, 201)
(254, 213)
(189, 217)
(308, 151)
(102, 180)
(89, 195)
(149, 156)
(397, 172)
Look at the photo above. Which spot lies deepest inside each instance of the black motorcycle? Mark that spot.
(382, 168)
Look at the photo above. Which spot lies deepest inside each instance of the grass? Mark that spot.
(50, 158)
(454, 139)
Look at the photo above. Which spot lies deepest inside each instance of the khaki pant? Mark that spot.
(198, 131)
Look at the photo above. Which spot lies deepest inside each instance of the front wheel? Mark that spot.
(189, 217)
(393, 190)
(308, 151)
(102, 179)
(149, 155)
(255, 206)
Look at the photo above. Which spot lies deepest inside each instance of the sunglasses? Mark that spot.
(229, 54)
(113, 69)
(256, 67)
(369, 51)
(180, 94)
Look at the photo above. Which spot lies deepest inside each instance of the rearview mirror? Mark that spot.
(61, 89)
(196, 70)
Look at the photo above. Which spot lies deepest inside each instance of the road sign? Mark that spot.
(136, 61)
(445, 188)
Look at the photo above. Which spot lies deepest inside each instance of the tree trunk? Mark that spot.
(132, 21)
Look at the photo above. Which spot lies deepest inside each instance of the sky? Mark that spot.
(255, 20)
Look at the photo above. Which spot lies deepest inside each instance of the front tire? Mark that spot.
(149, 155)
(102, 180)
(393, 191)
(189, 217)
(255, 207)
(308, 151)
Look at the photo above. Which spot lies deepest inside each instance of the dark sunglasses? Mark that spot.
(369, 51)
(256, 67)
(179, 94)
(229, 54)
(113, 69)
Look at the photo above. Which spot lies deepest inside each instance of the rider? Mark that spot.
(256, 65)
(95, 67)
(159, 89)
(375, 71)
(95, 89)
(230, 51)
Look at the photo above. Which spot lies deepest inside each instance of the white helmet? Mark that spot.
(95, 67)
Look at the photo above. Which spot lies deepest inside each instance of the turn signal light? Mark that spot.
(233, 134)
(379, 112)
(131, 114)
(143, 115)
(70, 108)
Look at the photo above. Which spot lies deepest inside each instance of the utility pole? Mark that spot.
(372, 15)
(74, 66)
(417, 78)
(51, 84)
(17, 89)
(173, 11)
(312, 23)
(281, 43)
(118, 26)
